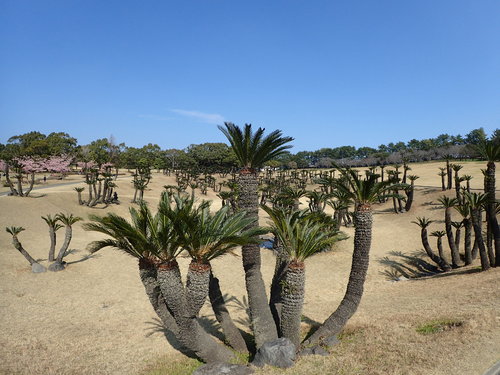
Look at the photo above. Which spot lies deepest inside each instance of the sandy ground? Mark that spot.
(95, 318)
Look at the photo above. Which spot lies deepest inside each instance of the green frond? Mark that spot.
(423, 222)
(14, 231)
(68, 219)
(253, 149)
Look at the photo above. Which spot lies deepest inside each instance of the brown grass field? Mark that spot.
(94, 317)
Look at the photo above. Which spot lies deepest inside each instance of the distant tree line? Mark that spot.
(215, 157)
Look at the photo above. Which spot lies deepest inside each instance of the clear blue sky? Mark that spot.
(328, 73)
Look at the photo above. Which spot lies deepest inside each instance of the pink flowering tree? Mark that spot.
(23, 171)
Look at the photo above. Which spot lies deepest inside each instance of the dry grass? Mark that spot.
(94, 317)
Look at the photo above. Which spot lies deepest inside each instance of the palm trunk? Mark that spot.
(20, 248)
(439, 260)
(440, 248)
(9, 182)
(197, 285)
(19, 177)
(191, 334)
(148, 275)
(231, 332)
(467, 241)
(260, 313)
(409, 199)
(65, 245)
(52, 234)
(455, 257)
(293, 301)
(275, 299)
(493, 228)
(32, 183)
(457, 239)
(450, 175)
(476, 220)
(359, 267)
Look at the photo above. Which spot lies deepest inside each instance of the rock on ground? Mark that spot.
(278, 353)
(219, 368)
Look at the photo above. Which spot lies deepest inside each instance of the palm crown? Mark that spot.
(253, 149)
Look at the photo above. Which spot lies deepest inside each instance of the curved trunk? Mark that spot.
(275, 299)
(20, 248)
(32, 182)
(148, 275)
(476, 220)
(191, 334)
(409, 199)
(52, 235)
(440, 261)
(260, 313)
(467, 241)
(455, 257)
(9, 182)
(493, 228)
(64, 247)
(359, 267)
(293, 301)
(231, 332)
(197, 285)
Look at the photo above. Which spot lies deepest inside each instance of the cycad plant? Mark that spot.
(424, 223)
(67, 220)
(14, 231)
(253, 149)
(364, 192)
(300, 235)
(448, 204)
(476, 202)
(54, 226)
(491, 152)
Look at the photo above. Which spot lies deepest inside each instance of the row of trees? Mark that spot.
(211, 157)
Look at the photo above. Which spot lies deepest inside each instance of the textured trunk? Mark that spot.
(135, 196)
(64, 247)
(450, 174)
(148, 274)
(476, 220)
(197, 285)
(457, 239)
(359, 267)
(455, 257)
(231, 332)
(293, 301)
(52, 234)
(20, 248)
(20, 184)
(32, 183)
(275, 299)
(467, 241)
(90, 195)
(490, 211)
(440, 248)
(9, 182)
(441, 262)
(260, 313)
(191, 334)
(80, 202)
(409, 199)
(443, 186)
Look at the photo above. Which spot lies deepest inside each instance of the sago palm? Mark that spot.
(253, 149)
(54, 226)
(300, 235)
(424, 223)
(364, 192)
(476, 202)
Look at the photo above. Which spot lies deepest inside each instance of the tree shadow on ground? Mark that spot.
(410, 266)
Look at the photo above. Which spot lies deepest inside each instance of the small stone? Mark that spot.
(56, 266)
(277, 353)
(38, 268)
(220, 368)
